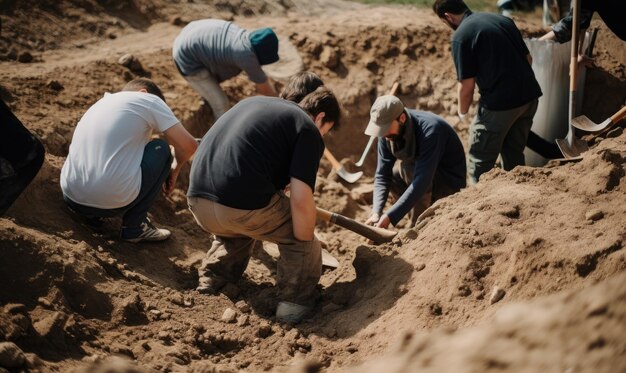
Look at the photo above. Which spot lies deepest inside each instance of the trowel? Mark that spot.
(342, 172)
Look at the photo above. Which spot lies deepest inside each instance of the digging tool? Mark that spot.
(571, 146)
(585, 124)
(392, 91)
(347, 176)
(377, 235)
(328, 260)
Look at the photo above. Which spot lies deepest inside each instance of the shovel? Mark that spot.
(392, 91)
(571, 146)
(377, 235)
(328, 260)
(347, 176)
(585, 124)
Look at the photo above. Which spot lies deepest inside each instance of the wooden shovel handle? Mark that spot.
(331, 158)
(619, 115)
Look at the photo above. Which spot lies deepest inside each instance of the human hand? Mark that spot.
(586, 61)
(383, 222)
(373, 219)
(170, 183)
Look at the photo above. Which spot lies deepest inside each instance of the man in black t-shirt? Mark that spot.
(243, 164)
(488, 51)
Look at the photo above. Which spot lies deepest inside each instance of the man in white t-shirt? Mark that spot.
(114, 168)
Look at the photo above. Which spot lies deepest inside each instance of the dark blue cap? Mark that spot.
(265, 44)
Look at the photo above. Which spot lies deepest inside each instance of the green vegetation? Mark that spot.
(476, 5)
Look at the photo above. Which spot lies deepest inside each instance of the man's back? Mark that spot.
(490, 48)
(217, 45)
(253, 150)
(102, 168)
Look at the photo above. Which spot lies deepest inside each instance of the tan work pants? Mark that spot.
(238, 231)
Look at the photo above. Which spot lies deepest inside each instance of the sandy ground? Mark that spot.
(548, 240)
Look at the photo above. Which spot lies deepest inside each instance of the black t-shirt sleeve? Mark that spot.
(464, 60)
(307, 152)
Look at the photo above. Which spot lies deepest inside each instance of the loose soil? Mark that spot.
(549, 241)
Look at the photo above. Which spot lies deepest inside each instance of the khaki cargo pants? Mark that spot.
(237, 232)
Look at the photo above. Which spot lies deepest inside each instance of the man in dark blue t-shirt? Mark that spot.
(488, 51)
(243, 164)
(432, 160)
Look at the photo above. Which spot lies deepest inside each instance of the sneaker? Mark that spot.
(147, 233)
(291, 313)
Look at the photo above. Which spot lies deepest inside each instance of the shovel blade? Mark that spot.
(574, 150)
(585, 124)
(348, 176)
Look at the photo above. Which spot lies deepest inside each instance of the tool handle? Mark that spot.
(367, 149)
(619, 115)
(378, 235)
(331, 158)
(392, 91)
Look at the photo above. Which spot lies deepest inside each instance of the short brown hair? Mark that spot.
(322, 100)
(144, 83)
(300, 85)
(440, 7)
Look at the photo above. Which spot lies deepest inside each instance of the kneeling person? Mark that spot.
(432, 160)
(244, 163)
(114, 168)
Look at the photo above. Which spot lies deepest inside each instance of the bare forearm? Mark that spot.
(303, 213)
(465, 91)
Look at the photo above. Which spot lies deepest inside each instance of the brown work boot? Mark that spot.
(210, 284)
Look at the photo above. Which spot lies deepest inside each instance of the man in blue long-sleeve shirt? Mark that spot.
(432, 160)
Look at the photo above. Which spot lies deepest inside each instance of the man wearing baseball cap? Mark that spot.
(431, 160)
(210, 51)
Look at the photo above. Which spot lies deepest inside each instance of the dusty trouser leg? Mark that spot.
(517, 137)
(299, 271)
(225, 261)
(486, 138)
(402, 177)
(209, 88)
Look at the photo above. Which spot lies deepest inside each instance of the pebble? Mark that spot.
(594, 215)
(420, 267)
(25, 57)
(229, 315)
(244, 320)
(54, 85)
(242, 306)
(264, 330)
(11, 356)
(496, 295)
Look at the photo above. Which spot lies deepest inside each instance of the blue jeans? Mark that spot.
(155, 167)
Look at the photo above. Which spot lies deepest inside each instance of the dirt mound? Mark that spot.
(73, 296)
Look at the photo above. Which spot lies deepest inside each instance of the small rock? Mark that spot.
(264, 330)
(435, 309)
(164, 335)
(410, 234)
(54, 85)
(188, 302)
(229, 315)
(177, 299)
(420, 267)
(11, 356)
(155, 312)
(178, 21)
(496, 295)
(594, 215)
(244, 320)
(25, 57)
(352, 348)
(242, 306)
